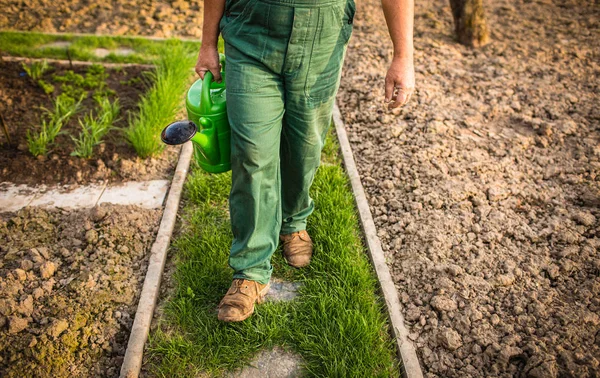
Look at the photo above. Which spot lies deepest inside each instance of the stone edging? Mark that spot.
(406, 351)
(132, 363)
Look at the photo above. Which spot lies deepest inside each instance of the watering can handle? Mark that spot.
(208, 83)
(205, 100)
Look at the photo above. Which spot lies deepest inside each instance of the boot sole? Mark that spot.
(260, 299)
(298, 266)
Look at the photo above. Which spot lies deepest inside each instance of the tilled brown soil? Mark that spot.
(485, 189)
(69, 284)
(117, 17)
(21, 103)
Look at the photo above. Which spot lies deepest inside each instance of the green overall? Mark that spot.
(283, 67)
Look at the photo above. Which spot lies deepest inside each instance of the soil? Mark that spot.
(69, 284)
(152, 18)
(486, 188)
(21, 100)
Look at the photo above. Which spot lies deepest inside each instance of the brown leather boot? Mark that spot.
(297, 248)
(238, 302)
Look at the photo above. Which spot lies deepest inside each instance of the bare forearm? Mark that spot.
(213, 11)
(399, 16)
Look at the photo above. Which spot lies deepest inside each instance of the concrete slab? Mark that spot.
(102, 53)
(276, 363)
(282, 291)
(148, 194)
(56, 45)
(14, 197)
(81, 197)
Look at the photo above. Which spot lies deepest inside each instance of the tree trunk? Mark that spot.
(469, 21)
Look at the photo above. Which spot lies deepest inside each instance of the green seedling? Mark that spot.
(39, 142)
(93, 129)
(95, 77)
(69, 77)
(109, 111)
(64, 108)
(52, 122)
(47, 87)
(132, 81)
(36, 69)
(73, 91)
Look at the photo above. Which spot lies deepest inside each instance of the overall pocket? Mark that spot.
(235, 10)
(328, 51)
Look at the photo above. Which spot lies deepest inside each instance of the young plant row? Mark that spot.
(157, 107)
(94, 125)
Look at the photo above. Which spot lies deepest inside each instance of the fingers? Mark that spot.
(216, 73)
(389, 90)
(399, 97)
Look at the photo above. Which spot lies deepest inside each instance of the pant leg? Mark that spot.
(310, 96)
(255, 110)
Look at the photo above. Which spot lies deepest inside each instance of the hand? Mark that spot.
(208, 60)
(399, 82)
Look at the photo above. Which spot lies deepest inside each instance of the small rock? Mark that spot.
(58, 327)
(26, 306)
(388, 184)
(38, 292)
(506, 279)
(413, 314)
(494, 319)
(450, 339)
(123, 249)
(91, 236)
(585, 218)
(21, 274)
(496, 193)
(44, 252)
(443, 303)
(36, 256)
(455, 270)
(16, 324)
(97, 213)
(26, 265)
(47, 269)
(395, 204)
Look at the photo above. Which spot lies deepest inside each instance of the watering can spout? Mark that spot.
(182, 131)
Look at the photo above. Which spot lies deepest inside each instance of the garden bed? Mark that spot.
(21, 100)
(69, 285)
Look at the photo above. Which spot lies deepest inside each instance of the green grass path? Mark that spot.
(337, 323)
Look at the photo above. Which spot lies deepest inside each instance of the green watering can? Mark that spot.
(207, 127)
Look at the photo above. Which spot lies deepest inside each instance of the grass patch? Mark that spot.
(337, 324)
(161, 103)
(31, 45)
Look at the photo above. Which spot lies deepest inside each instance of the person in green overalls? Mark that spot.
(283, 68)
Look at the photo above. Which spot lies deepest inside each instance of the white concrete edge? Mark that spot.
(406, 350)
(74, 62)
(132, 362)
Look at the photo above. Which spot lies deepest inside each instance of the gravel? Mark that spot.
(485, 188)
